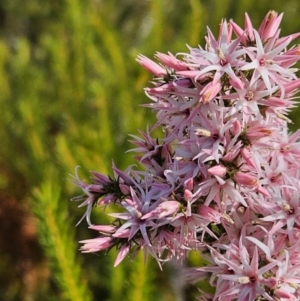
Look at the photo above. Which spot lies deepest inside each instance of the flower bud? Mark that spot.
(151, 66)
(124, 250)
(218, 170)
(258, 132)
(246, 179)
(246, 155)
(163, 209)
(96, 244)
(171, 61)
(210, 91)
(189, 184)
(104, 228)
(125, 189)
(95, 188)
(122, 233)
(236, 128)
(269, 25)
(187, 195)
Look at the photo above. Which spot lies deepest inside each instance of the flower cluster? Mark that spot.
(225, 179)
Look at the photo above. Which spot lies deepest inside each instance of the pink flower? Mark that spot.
(221, 56)
(264, 62)
(247, 278)
(224, 179)
(135, 208)
(287, 214)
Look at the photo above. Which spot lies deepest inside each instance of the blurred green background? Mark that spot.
(70, 91)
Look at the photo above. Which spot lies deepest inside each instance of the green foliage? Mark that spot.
(58, 241)
(69, 95)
